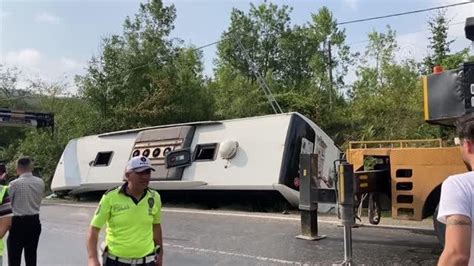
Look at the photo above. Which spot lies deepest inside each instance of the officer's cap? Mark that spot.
(139, 164)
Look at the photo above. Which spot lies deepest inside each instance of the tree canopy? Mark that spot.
(144, 77)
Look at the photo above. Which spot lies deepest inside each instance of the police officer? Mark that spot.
(132, 213)
(5, 217)
(3, 174)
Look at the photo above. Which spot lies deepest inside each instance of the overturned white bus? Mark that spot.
(256, 153)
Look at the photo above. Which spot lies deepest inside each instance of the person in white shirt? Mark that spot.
(26, 193)
(456, 206)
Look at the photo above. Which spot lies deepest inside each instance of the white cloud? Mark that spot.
(457, 14)
(352, 3)
(70, 64)
(412, 46)
(415, 45)
(35, 65)
(24, 58)
(34, 61)
(3, 14)
(47, 18)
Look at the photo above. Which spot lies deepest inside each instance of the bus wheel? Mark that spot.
(439, 227)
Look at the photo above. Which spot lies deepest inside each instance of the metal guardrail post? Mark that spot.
(308, 196)
(346, 201)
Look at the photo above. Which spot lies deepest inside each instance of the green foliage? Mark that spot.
(143, 77)
(439, 47)
(73, 119)
(439, 43)
(260, 32)
(237, 96)
(294, 61)
(387, 100)
(453, 61)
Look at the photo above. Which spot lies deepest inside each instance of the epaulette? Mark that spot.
(112, 189)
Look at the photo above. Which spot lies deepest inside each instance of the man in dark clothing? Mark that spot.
(26, 193)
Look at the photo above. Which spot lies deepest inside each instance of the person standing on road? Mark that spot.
(26, 193)
(5, 217)
(456, 206)
(3, 174)
(132, 213)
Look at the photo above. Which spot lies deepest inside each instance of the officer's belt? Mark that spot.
(143, 260)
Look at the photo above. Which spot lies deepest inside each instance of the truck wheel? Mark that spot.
(375, 212)
(440, 228)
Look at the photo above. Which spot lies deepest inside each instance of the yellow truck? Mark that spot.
(408, 173)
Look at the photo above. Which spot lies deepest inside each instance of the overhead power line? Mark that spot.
(341, 23)
(206, 45)
(372, 18)
(404, 13)
(261, 81)
(405, 33)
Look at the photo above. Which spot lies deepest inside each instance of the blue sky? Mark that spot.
(54, 39)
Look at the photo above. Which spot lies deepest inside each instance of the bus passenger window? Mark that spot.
(103, 158)
(205, 152)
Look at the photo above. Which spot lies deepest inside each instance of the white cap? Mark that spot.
(138, 164)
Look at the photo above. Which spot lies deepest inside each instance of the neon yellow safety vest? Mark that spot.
(129, 223)
(3, 190)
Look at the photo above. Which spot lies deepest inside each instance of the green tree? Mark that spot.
(14, 98)
(329, 65)
(332, 56)
(73, 118)
(260, 32)
(13, 94)
(260, 38)
(386, 98)
(236, 95)
(439, 46)
(294, 61)
(143, 78)
(439, 43)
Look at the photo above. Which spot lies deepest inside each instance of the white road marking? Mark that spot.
(189, 211)
(70, 204)
(257, 216)
(244, 215)
(220, 252)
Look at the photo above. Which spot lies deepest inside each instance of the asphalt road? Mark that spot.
(196, 237)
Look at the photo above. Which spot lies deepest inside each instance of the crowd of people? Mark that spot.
(19, 213)
(129, 241)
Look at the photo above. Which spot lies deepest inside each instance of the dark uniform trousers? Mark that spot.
(24, 235)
